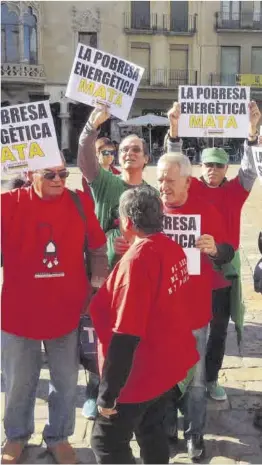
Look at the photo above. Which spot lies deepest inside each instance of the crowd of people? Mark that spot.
(151, 317)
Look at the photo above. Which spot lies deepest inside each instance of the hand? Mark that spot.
(254, 117)
(173, 116)
(107, 412)
(120, 245)
(206, 244)
(98, 116)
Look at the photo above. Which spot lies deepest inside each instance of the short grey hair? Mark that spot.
(143, 206)
(173, 158)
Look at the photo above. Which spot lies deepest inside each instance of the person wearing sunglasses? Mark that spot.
(106, 157)
(106, 153)
(106, 190)
(45, 290)
(228, 196)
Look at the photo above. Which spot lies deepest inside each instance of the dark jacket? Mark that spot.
(258, 268)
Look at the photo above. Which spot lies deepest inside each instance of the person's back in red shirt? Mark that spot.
(145, 296)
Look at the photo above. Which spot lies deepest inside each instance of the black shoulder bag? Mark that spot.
(87, 341)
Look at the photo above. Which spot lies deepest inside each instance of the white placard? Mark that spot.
(185, 230)
(218, 111)
(99, 77)
(257, 154)
(28, 137)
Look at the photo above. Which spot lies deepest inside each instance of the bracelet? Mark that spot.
(173, 139)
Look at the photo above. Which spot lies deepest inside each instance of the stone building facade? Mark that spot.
(178, 42)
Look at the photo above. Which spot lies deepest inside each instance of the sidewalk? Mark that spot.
(230, 435)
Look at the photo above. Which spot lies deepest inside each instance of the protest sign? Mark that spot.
(257, 154)
(99, 77)
(208, 111)
(185, 230)
(28, 138)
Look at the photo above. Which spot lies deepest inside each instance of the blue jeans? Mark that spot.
(195, 398)
(21, 365)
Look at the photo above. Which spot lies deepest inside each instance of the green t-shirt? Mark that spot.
(107, 189)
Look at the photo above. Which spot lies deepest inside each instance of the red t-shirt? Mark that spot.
(144, 296)
(114, 170)
(203, 284)
(45, 284)
(229, 200)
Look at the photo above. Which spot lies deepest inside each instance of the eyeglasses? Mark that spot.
(50, 175)
(134, 149)
(107, 153)
(214, 165)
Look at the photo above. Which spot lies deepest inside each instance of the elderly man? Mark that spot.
(141, 317)
(174, 173)
(229, 197)
(45, 289)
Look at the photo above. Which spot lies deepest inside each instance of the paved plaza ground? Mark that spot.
(230, 435)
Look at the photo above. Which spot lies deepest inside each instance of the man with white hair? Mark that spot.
(45, 290)
(174, 178)
(228, 196)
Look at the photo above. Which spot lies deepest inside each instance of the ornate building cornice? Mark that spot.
(85, 21)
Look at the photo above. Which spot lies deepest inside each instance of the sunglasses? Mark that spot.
(214, 165)
(50, 175)
(134, 149)
(107, 153)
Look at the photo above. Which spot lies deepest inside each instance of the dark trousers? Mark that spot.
(111, 436)
(218, 333)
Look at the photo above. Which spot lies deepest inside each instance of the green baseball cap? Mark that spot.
(215, 155)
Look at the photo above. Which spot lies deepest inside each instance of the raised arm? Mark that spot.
(172, 142)
(247, 173)
(86, 157)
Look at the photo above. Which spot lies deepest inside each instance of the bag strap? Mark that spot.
(80, 209)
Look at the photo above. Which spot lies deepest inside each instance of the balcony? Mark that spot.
(244, 22)
(159, 24)
(23, 73)
(251, 80)
(168, 79)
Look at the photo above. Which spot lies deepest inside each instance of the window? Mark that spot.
(9, 35)
(140, 54)
(179, 16)
(88, 38)
(178, 64)
(257, 12)
(230, 65)
(140, 15)
(178, 57)
(230, 10)
(256, 60)
(30, 36)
